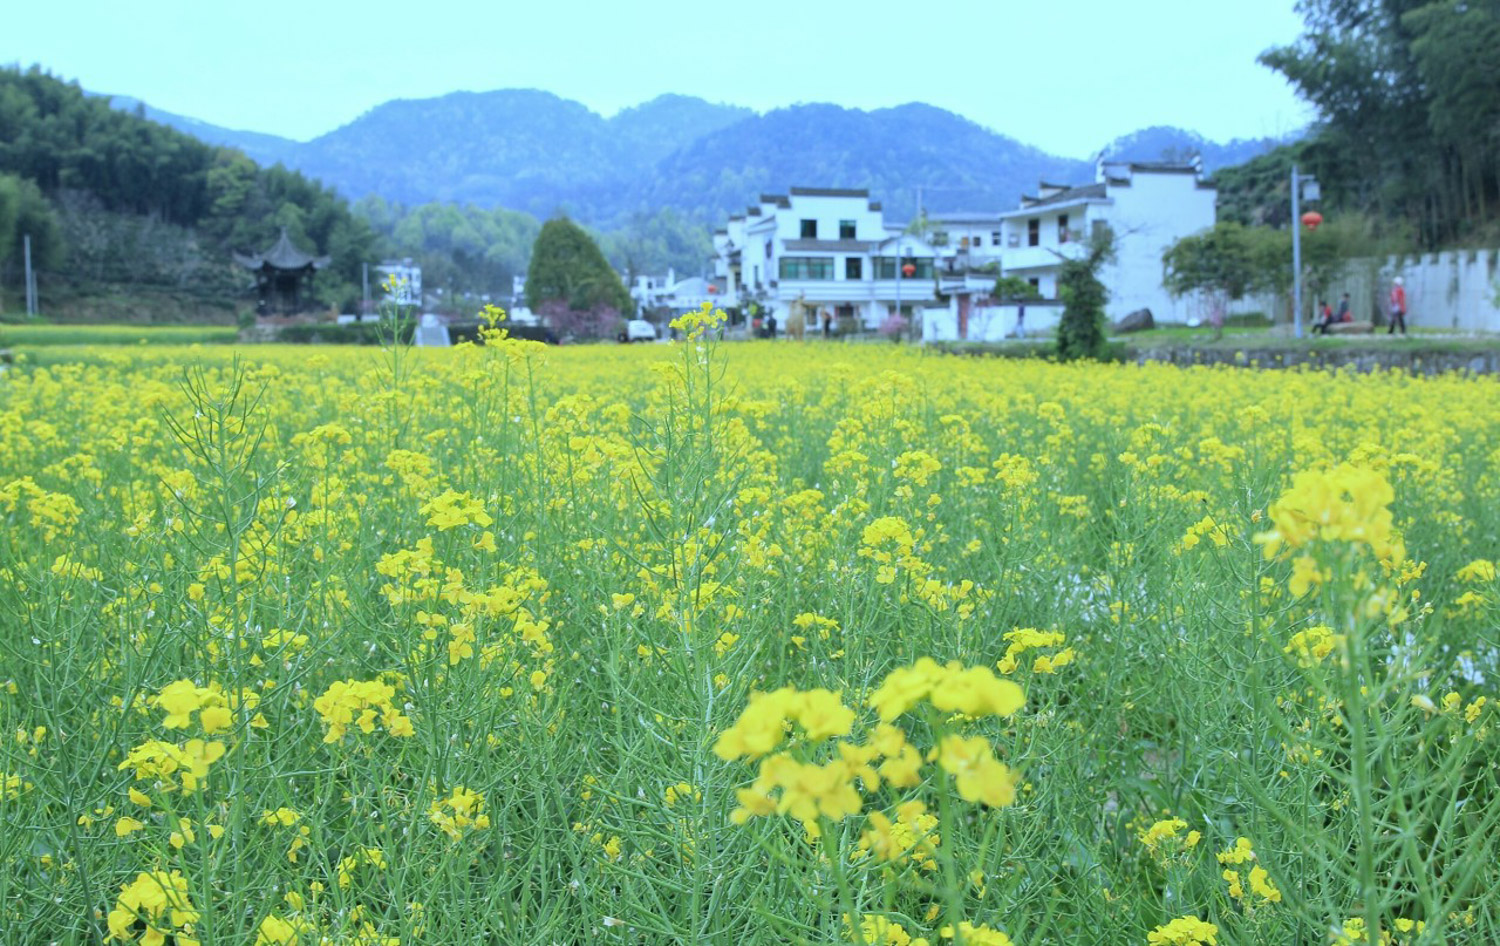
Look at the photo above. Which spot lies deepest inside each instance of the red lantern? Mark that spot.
(712, 290)
(1311, 219)
(908, 270)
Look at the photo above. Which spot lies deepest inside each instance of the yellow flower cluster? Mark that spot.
(696, 323)
(11, 786)
(910, 837)
(275, 931)
(810, 791)
(976, 934)
(1164, 838)
(158, 762)
(1208, 528)
(182, 699)
(1262, 889)
(763, 724)
(978, 775)
(459, 813)
(1184, 931)
(449, 510)
(949, 688)
(361, 703)
(1023, 639)
(1313, 645)
(1479, 571)
(1347, 504)
(881, 931)
(1354, 930)
(152, 908)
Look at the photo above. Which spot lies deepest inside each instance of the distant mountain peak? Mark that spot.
(532, 150)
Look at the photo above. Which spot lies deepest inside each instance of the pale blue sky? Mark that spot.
(1066, 75)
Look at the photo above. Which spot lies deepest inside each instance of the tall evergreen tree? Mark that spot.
(569, 272)
(1080, 333)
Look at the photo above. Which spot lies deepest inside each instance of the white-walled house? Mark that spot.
(654, 293)
(401, 281)
(824, 250)
(1147, 205)
(966, 239)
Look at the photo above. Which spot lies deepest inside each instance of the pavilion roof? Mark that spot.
(283, 254)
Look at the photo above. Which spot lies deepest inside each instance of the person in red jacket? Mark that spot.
(1398, 306)
(1325, 318)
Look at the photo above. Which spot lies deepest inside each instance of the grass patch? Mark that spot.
(40, 335)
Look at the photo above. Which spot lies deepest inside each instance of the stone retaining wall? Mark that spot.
(1362, 360)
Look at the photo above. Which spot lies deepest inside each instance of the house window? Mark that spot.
(885, 267)
(854, 268)
(1062, 228)
(846, 229)
(768, 249)
(1036, 284)
(994, 238)
(806, 267)
(756, 271)
(1034, 232)
(809, 229)
(845, 312)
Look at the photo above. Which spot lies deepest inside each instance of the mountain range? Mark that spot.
(533, 151)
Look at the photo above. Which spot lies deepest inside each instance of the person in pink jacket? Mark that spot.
(1398, 306)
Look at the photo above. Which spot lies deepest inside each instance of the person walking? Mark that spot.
(1398, 306)
(827, 323)
(1021, 319)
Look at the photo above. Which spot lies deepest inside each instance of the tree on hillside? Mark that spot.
(25, 212)
(570, 281)
(1080, 333)
(105, 171)
(1406, 93)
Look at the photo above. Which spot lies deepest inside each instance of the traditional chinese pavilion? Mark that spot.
(283, 276)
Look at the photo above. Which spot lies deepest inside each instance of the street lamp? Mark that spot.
(1303, 187)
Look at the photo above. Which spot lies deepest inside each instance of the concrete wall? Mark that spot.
(991, 323)
(1458, 290)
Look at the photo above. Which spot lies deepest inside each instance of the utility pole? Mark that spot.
(30, 278)
(898, 276)
(364, 279)
(1296, 253)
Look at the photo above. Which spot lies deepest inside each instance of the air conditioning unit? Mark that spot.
(1013, 240)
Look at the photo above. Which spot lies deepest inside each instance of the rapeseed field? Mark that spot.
(742, 643)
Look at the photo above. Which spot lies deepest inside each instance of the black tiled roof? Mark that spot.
(283, 254)
(830, 192)
(1066, 196)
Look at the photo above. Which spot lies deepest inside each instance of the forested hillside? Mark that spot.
(1408, 97)
(522, 149)
(135, 205)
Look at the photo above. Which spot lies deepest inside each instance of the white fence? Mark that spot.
(990, 323)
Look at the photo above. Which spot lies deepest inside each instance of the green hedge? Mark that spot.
(355, 333)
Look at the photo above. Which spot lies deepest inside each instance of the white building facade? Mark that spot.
(818, 251)
(401, 281)
(672, 295)
(1147, 206)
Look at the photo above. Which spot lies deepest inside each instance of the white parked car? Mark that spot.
(639, 330)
